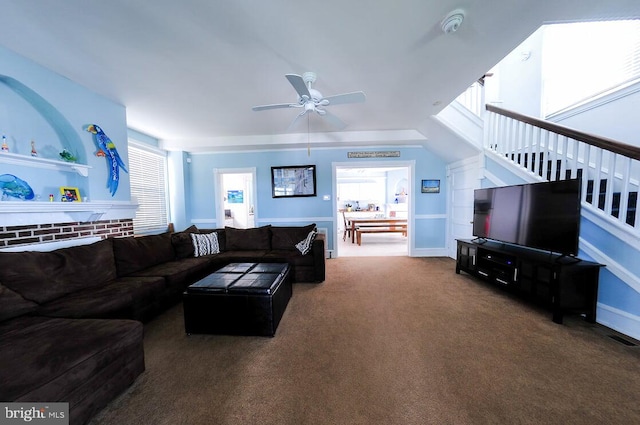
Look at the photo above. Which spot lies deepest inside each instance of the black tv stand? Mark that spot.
(571, 259)
(563, 286)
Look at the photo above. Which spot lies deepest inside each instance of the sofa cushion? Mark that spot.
(133, 254)
(181, 242)
(256, 238)
(13, 304)
(222, 238)
(53, 359)
(293, 257)
(246, 256)
(44, 276)
(205, 244)
(288, 237)
(115, 300)
(180, 274)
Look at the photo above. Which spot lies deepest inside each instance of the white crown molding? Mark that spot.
(295, 141)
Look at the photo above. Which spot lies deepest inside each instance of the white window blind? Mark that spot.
(582, 60)
(148, 175)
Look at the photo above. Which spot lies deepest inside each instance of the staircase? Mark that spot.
(549, 151)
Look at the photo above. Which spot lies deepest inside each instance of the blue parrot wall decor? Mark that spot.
(108, 149)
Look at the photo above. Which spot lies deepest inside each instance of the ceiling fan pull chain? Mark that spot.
(308, 137)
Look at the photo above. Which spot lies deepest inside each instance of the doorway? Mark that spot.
(236, 200)
(373, 190)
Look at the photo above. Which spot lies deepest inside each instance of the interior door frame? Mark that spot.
(218, 189)
(410, 165)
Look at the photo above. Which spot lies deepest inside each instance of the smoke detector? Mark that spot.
(452, 21)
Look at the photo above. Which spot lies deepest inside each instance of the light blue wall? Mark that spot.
(517, 80)
(142, 137)
(284, 211)
(613, 291)
(40, 105)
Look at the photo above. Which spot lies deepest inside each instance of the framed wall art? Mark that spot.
(293, 181)
(70, 194)
(235, 196)
(430, 186)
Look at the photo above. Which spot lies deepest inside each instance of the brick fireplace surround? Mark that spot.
(42, 233)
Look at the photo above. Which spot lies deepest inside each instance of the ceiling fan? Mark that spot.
(311, 100)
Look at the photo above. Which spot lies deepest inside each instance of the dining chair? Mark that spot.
(347, 227)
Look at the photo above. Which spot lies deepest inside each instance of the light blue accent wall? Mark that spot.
(430, 233)
(142, 137)
(613, 291)
(297, 211)
(53, 111)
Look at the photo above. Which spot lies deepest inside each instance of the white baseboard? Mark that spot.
(421, 252)
(430, 252)
(618, 320)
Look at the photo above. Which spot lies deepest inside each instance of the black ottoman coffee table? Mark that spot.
(238, 299)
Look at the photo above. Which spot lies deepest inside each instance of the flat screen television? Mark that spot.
(545, 215)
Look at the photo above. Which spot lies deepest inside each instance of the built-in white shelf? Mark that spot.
(17, 213)
(51, 164)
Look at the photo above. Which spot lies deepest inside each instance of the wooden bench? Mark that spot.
(378, 222)
(375, 229)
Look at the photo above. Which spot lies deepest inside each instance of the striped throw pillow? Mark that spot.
(205, 244)
(304, 246)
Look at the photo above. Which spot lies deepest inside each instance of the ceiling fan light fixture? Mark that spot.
(311, 100)
(452, 21)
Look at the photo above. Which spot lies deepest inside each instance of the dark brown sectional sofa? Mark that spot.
(71, 319)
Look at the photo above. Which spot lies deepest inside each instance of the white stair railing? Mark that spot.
(610, 170)
(473, 98)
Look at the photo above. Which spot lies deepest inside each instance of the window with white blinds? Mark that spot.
(148, 175)
(584, 59)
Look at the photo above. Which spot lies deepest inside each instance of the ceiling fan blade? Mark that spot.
(298, 83)
(333, 120)
(275, 106)
(295, 120)
(338, 99)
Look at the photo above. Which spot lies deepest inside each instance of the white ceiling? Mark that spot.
(189, 72)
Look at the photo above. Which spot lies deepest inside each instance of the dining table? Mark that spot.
(374, 222)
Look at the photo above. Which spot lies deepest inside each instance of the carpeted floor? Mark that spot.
(393, 340)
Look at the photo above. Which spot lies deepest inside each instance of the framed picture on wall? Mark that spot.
(70, 194)
(430, 186)
(235, 196)
(293, 181)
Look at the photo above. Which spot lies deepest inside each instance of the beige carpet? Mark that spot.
(388, 341)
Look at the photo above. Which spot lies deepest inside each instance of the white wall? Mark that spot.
(517, 80)
(614, 116)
